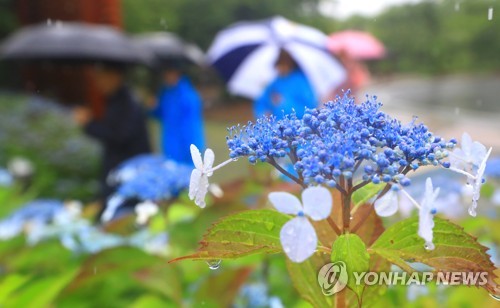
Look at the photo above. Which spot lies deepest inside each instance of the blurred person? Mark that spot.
(179, 109)
(290, 90)
(122, 129)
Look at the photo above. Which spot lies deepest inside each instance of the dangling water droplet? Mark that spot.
(429, 246)
(472, 212)
(351, 217)
(497, 297)
(214, 264)
(457, 6)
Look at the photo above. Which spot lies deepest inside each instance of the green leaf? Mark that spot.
(151, 301)
(241, 234)
(41, 292)
(9, 284)
(365, 193)
(221, 288)
(350, 249)
(162, 279)
(305, 279)
(455, 250)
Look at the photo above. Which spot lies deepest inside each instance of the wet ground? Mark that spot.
(448, 105)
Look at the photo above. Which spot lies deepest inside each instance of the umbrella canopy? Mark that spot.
(168, 46)
(357, 44)
(72, 41)
(245, 53)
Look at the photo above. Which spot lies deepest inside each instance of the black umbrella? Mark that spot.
(168, 46)
(72, 41)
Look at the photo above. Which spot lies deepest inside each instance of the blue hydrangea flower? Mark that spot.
(334, 141)
(150, 177)
(147, 178)
(37, 213)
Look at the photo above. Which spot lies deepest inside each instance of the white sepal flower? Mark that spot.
(388, 204)
(471, 153)
(144, 211)
(426, 214)
(476, 182)
(198, 185)
(297, 236)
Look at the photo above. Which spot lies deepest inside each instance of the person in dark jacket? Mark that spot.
(122, 129)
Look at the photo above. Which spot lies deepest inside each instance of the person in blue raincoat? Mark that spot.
(290, 90)
(179, 109)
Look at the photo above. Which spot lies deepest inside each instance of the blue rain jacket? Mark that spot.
(180, 111)
(286, 93)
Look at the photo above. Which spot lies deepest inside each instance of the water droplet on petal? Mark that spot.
(497, 297)
(214, 264)
(429, 246)
(472, 212)
(290, 231)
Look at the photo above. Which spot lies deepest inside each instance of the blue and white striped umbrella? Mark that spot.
(245, 53)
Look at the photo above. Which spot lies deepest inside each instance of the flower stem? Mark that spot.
(340, 301)
(273, 163)
(415, 203)
(346, 206)
(333, 225)
(222, 164)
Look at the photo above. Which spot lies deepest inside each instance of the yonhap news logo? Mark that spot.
(333, 277)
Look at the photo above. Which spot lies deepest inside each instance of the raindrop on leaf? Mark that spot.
(214, 264)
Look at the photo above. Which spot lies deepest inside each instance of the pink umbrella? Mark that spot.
(357, 44)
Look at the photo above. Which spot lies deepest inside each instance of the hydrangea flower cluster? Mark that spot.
(345, 146)
(150, 177)
(36, 214)
(146, 178)
(333, 141)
